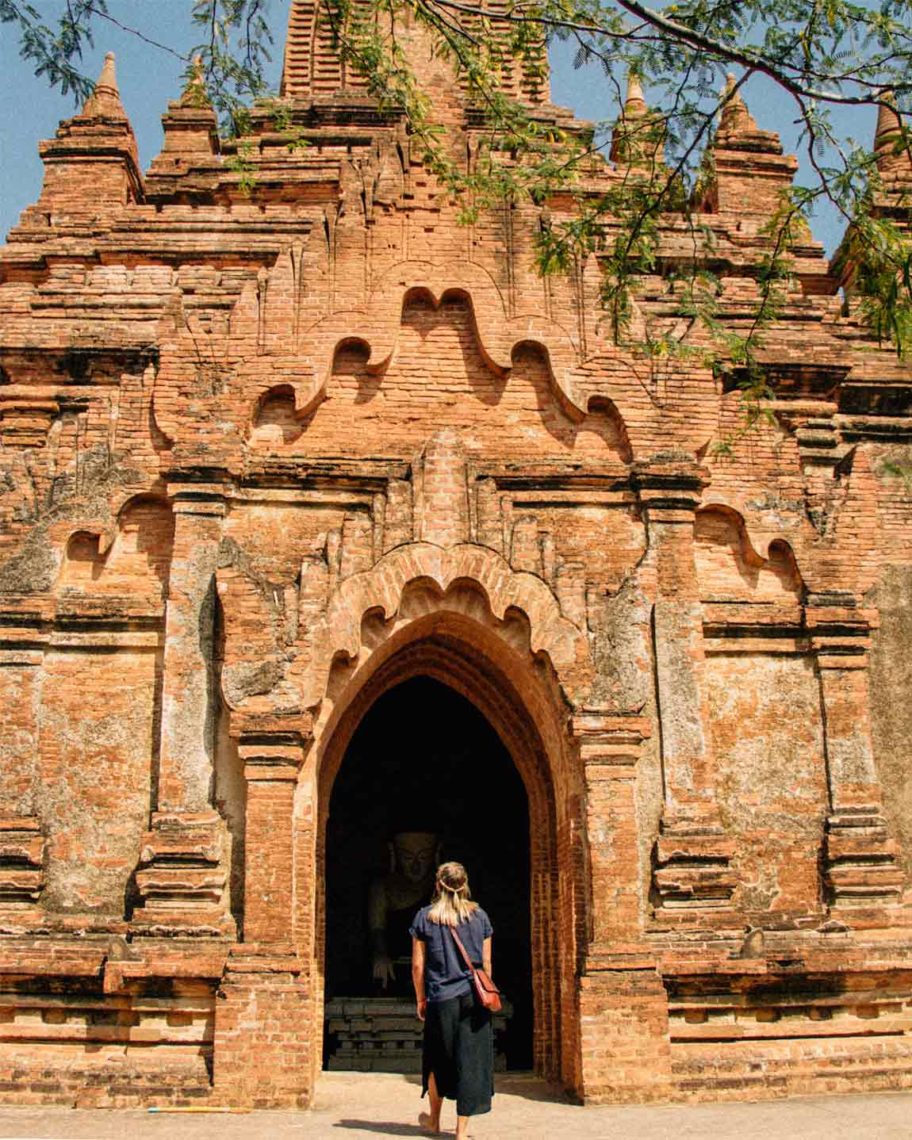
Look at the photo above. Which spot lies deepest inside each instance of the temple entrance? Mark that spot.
(412, 770)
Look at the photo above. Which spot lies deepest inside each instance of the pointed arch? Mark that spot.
(516, 694)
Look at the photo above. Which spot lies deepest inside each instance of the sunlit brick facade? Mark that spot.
(269, 452)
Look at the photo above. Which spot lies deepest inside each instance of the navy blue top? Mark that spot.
(445, 972)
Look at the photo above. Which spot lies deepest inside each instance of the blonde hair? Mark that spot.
(452, 902)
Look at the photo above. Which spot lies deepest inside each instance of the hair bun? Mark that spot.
(452, 876)
(453, 900)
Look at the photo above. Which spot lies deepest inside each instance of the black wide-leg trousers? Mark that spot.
(459, 1051)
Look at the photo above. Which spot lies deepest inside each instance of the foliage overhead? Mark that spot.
(824, 54)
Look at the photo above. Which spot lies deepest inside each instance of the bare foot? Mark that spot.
(428, 1123)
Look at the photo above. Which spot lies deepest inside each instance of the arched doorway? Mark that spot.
(415, 763)
(450, 635)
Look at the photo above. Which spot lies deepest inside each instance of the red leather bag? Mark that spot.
(487, 993)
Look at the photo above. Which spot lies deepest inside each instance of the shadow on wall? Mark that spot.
(730, 570)
(276, 422)
(136, 562)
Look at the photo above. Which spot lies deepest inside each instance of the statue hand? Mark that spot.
(384, 971)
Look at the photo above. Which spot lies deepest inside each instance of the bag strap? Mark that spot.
(462, 949)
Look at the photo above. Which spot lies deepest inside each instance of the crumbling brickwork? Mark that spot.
(266, 454)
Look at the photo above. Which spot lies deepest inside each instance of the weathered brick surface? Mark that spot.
(262, 1059)
(264, 457)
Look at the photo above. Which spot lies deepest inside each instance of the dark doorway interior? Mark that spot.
(415, 763)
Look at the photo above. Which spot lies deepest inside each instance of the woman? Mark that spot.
(458, 1058)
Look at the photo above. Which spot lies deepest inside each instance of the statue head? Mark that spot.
(415, 855)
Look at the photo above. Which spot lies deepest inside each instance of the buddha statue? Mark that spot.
(394, 898)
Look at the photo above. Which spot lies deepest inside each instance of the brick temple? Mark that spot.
(325, 516)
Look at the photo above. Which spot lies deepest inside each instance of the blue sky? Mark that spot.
(30, 110)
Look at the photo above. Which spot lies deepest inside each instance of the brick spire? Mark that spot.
(894, 156)
(750, 173)
(635, 106)
(92, 163)
(191, 146)
(735, 118)
(891, 190)
(104, 102)
(195, 93)
(637, 140)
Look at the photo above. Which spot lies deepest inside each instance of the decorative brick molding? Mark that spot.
(381, 589)
(182, 874)
(693, 856)
(22, 851)
(861, 857)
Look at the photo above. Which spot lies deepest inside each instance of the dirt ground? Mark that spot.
(356, 1105)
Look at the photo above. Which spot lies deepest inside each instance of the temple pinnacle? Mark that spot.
(104, 102)
(736, 119)
(637, 139)
(635, 102)
(894, 155)
(195, 93)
